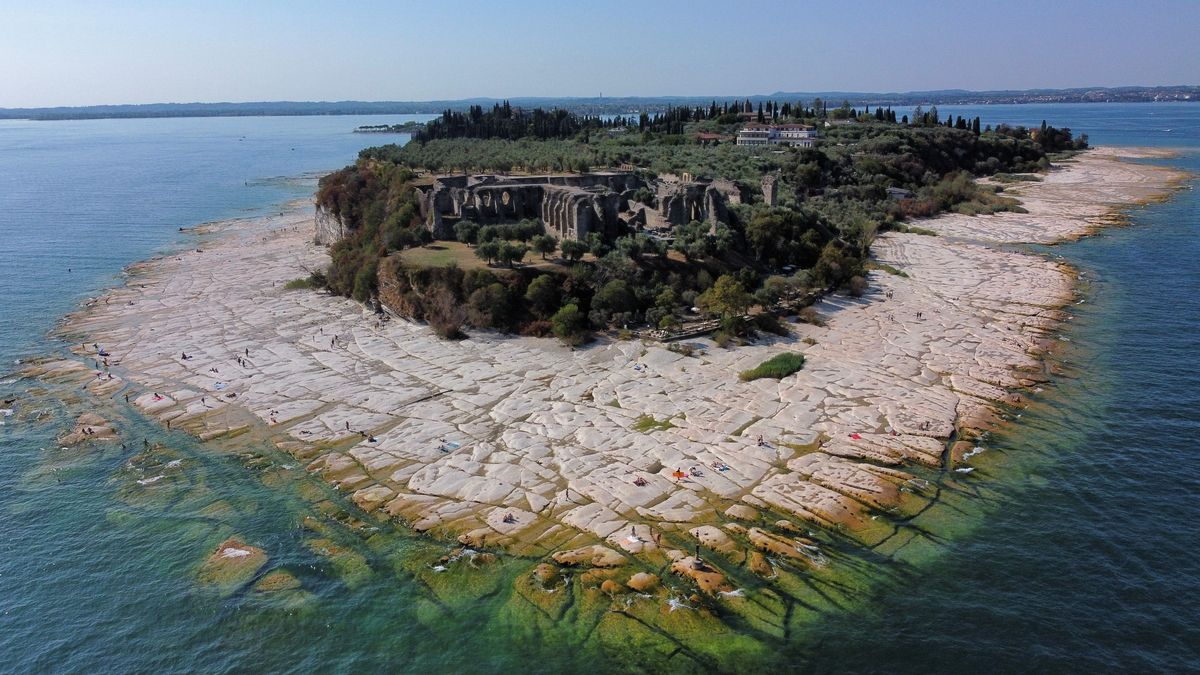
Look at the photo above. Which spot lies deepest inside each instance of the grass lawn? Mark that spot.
(445, 253)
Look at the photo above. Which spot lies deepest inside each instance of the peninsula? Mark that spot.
(648, 492)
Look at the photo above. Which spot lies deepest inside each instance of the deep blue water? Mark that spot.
(1083, 561)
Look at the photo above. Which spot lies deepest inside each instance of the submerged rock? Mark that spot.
(547, 575)
(89, 427)
(707, 579)
(232, 565)
(276, 581)
(643, 582)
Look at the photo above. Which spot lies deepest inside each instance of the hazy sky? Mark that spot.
(128, 51)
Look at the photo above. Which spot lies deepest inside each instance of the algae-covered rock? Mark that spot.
(232, 565)
(742, 512)
(642, 582)
(595, 555)
(798, 549)
(547, 575)
(713, 538)
(707, 579)
(89, 427)
(787, 526)
(760, 566)
(277, 581)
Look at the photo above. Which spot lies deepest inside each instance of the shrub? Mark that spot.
(542, 296)
(858, 286)
(299, 284)
(771, 324)
(810, 315)
(777, 367)
(681, 348)
(537, 329)
(573, 249)
(446, 315)
(570, 325)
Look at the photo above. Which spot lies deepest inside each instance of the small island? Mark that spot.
(409, 127)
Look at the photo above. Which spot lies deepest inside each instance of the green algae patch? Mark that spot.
(647, 423)
(350, 566)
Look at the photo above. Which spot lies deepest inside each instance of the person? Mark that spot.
(347, 425)
(509, 518)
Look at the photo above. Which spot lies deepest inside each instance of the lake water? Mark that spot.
(1077, 558)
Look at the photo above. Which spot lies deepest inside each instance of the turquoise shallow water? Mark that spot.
(1083, 560)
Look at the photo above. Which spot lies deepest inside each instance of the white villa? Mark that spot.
(795, 135)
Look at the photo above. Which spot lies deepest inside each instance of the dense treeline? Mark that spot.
(869, 173)
(507, 122)
(503, 121)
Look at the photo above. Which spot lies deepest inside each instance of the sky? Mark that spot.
(56, 52)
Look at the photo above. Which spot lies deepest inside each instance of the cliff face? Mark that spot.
(329, 228)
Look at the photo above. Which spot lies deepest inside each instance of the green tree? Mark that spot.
(597, 245)
(488, 251)
(544, 244)
(466, 231)
(614, 297)
(727, 297)
(542, 296)
(490, 307)
(511, 253)
(569, 325)
(573, 249)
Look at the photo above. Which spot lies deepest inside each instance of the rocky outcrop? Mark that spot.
(329, 228)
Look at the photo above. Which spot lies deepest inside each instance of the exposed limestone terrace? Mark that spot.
(522, 442)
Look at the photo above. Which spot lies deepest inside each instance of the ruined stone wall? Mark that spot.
(569, 206)
(681, 203)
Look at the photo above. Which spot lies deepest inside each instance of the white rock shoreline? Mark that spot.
(546, 453)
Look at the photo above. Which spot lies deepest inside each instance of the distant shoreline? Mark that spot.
(602, 105)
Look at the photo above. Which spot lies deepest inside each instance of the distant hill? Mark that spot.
(605, 105)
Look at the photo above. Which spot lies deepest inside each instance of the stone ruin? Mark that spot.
(573, 206)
